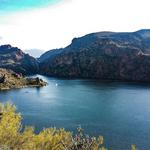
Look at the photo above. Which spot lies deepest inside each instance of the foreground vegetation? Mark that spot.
(13, 138)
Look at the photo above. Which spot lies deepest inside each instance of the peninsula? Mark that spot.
(11, 80)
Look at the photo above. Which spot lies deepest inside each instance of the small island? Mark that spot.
(11, 80)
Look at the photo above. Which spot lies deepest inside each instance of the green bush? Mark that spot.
(11, 137)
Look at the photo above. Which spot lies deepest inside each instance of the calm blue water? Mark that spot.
(118, 111)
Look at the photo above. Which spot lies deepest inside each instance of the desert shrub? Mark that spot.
(13, 138)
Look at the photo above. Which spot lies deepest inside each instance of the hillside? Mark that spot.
(15, 59)
(102, 55)
(10, 80)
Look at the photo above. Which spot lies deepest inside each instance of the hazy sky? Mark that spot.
(48, 24)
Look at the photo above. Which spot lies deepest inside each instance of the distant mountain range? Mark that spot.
(101, 55)
(34, 52)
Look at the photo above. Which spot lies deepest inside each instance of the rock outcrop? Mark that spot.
(13, 58)
(10, 80)
(103, 55)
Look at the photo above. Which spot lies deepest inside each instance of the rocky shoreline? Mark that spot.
(11, 80)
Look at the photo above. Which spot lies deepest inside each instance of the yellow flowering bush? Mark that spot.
(13, 138)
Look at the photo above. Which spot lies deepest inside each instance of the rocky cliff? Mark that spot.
(14, 58)
(102, 55)
(10, 80)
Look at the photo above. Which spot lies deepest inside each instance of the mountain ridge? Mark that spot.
(101, 55)
(15, 59)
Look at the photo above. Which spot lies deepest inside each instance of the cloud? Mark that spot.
(55, 26)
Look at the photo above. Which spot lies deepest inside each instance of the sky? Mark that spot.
(50, 24)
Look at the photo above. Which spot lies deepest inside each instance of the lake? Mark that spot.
(117, 110)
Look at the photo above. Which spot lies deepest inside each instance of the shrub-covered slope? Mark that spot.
(102, 55)
(10, 80)
(13, 58)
